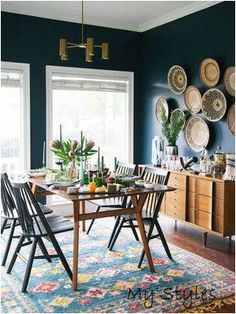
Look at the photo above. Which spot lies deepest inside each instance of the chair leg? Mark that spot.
(117, 233)
(17, 250)
(133, 229)
(92, 222)
(44, 250)
(29, 265)
(163, 240)
(61, 256)
(4, 225)
(13, 225)
(114, 230)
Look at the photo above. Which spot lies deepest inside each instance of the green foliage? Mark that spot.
(172, 127)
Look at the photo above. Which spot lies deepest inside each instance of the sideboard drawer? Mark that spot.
(217, 223)
(204, 187)
(203, 219)
(175, 212)
(190, 214)
(203, 202)
(219, 190)
(177, 181)
(218, 206)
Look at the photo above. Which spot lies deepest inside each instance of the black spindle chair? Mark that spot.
(121, 167)
(9, 215)
(36, 227)
(150, 211)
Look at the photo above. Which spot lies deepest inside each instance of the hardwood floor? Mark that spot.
(217, 250)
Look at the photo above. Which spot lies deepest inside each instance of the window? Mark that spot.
(14, 118)
(97, 102)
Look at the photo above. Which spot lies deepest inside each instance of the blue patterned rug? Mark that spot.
(111, 282)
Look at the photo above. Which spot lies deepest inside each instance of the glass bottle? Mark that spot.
(204, 161)
(219, 157)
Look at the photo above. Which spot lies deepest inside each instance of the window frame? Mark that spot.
(25, 113)
(104, 74)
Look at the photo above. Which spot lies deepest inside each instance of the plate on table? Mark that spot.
(161, 105)
(231, 119)
(193, 99)
(209, 72)
(214, 104)
(229, 80)
(177, 79)
(36, 174)
(176, 115)
(196, 133)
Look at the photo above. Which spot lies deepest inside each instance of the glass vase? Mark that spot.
(72, 170)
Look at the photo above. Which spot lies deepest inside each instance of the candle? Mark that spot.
(98, 158)
(115, 162)
(102, 163)
(60, 132)
(44, 154)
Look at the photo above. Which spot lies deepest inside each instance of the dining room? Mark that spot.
(117, 132)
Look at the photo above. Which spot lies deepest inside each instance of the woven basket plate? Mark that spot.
(229, 80)
(196, 133)
(177, 79)
(161, 104)
(193, 99)
(209, 72)
(231, 119)
(213, 104)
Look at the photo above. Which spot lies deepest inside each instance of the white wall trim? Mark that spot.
(25, 68)
(173, 15)
(176, 14)
(121, 75)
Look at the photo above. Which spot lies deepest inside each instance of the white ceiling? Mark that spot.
(130, 15)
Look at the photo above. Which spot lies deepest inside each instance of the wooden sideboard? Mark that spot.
(205, 203)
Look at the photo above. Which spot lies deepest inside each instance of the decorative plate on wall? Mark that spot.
(231, 119)
(229, 80)
(162, 104)
(209, 72)
(177, 79)
(193, 99)
(176, 115)
(213, 104)
(196, 133)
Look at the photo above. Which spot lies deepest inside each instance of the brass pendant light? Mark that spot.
(89, 45)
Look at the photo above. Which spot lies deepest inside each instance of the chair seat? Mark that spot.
(57, 224)
(46, 210)
(145, 216)
(108, 202)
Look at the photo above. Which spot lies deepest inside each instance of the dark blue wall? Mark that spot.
(35, 40)
(186, 42)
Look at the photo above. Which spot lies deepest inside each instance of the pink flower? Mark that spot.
(71, 154)
(74, 143)
(53, 144)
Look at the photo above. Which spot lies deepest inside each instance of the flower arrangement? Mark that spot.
(172, 127)
(72, 150)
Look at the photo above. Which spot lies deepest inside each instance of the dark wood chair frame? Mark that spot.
(36, 227)
(121, 167)
(152, 207)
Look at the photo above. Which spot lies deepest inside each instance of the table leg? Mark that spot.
(82, 207)
(139, 204)
(75, 246)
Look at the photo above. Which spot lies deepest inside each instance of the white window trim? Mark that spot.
(106, 74)
(25, 68)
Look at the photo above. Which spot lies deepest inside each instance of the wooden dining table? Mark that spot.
(137, 196)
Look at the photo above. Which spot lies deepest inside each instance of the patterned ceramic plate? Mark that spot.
(231, 119)
(177, 79)
(209, 72)
(214, 104)
(193, 99)
(161, 104)
(176, 115)
(196, 133)
(229, 80)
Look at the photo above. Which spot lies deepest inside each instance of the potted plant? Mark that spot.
(171, 128)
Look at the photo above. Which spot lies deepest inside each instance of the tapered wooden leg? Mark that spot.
(82, 204)
(75, 246)
(204, 238)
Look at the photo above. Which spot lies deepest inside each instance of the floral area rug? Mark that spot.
(111, 282)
